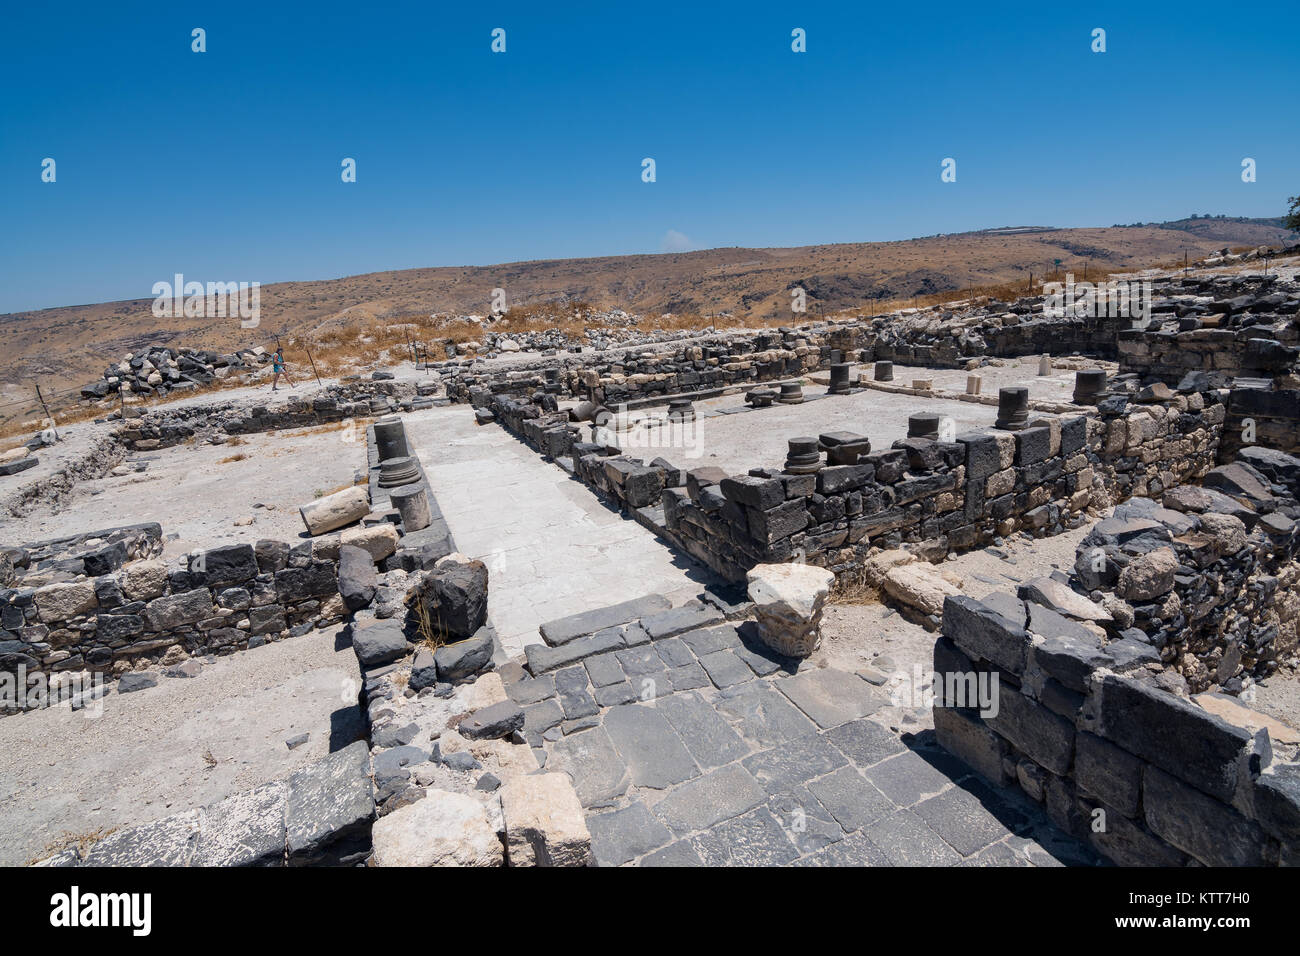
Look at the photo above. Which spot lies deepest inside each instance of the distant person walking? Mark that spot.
(277, 366)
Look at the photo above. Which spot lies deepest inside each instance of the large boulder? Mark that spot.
(357, 578)
(177, 610)
(379, 644)
(60, 602)
(544, 822)
(336, 510)
(1276, 466)
(1148, 576)
(1227, 533)
(443, 829)
(144, 580)
(455, 662)
(455, 595)
(221, 567)
(1239, 480)
(788, 601)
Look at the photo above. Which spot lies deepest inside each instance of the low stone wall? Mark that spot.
(1170, 355)
(166, 427)
(91, 553)
(226, 599)
(1084, 727)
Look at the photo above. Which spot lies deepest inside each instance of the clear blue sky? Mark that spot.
(225, 165)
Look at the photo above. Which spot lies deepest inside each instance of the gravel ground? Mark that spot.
(186, 743)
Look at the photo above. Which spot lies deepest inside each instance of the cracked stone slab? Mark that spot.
(708, 737)
(654, 754)
(640, 661)
(245, 829)
(710, 639)
(908, 778)
(681, 853)
(849, 798)
(572, 689)
(690, 677)
(865, 742)
(718, 795)
(755, 839)
(570, 628)
(170, 841)
(832, 697)
(906, 840)
(971, 817)
(797, 762)
(725, 669)
(593, 764)
(763, 716)
(853, 850)
(620, 836)
(807, 823)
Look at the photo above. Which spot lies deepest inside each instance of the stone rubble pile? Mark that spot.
(1207, 578)
(158, 370)
(455, 781)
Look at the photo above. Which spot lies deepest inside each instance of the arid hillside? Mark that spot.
(63, 348)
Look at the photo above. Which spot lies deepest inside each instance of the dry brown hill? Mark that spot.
(63, 348)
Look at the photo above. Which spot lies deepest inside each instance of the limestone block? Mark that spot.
(544, 822)
(443, 829)
(59, 602)
(379, 541)
(336, 510)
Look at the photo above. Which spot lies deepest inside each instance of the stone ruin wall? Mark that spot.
(952, 495)
(117, 604)
(1146, 777)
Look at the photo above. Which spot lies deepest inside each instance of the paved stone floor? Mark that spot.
(702, 748)
(551, 547)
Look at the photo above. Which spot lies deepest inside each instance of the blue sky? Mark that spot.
(225, 165)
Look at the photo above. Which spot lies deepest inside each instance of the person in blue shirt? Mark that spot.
(277, 366)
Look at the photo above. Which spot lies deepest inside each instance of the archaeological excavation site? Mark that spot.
(991, 583)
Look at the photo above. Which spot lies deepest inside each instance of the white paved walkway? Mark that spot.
(551, 547)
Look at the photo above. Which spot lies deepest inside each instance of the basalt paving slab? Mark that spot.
(551, 547)
(753, 767)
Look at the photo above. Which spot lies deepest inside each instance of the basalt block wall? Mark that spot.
(112, 611)
(752, 358)
(1260, 416)
(956, 495)
(1146, 777)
